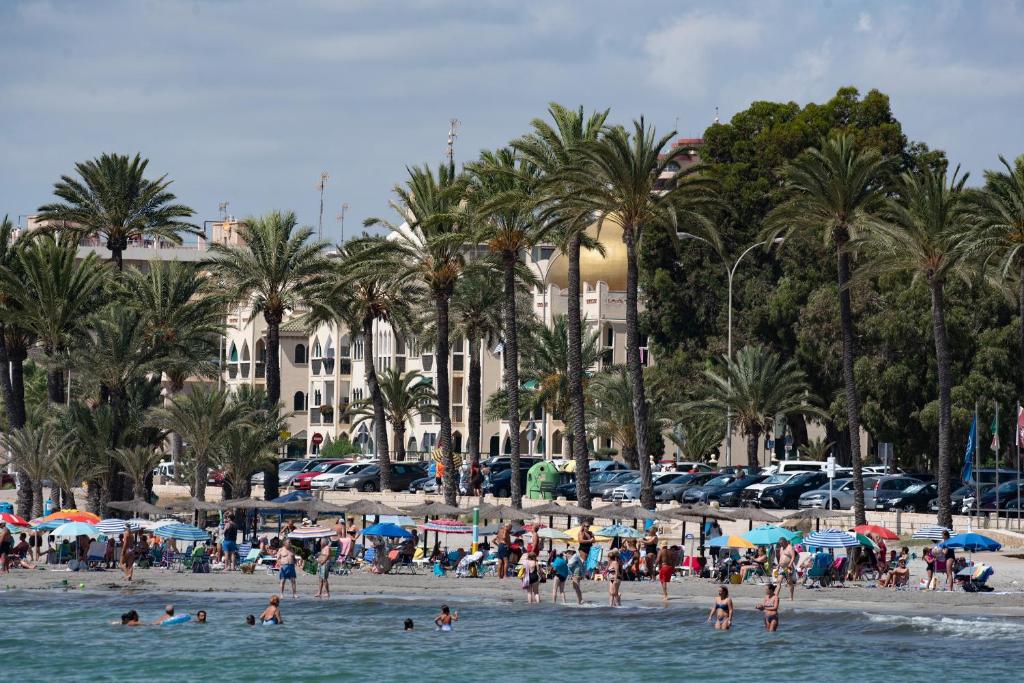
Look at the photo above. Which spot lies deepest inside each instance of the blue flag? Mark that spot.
(968, 471)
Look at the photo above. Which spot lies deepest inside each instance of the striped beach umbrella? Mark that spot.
(831, 538)
(932, 532)
(181, 532)
(730, 541)
(310, 532)
(619, 531)
(115, 527)
(12, 519)
(71, 529)
(447, 526)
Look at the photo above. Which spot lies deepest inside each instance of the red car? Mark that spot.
(304, 481)
(215, 478)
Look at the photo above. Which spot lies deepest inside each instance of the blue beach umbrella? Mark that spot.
(769, 534)
(831, 538)
(619, 531)
(971, 542)
(182, 532)
(386, 530)
(71, 529)
(48, 525)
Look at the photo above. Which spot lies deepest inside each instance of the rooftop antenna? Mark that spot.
(324, 177)
(223, 209)
(341, 219)
(453, 132)
(716, 116)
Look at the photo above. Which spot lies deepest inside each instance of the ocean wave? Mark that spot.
(966, 628)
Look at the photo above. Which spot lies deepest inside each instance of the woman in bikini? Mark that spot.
(614, 579)
(272, 614)
(531, 579)
(721, 612)
(444, 620)
(770, 607)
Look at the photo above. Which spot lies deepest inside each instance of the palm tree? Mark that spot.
(834, 190)
(54, 295)
(112, 199)
(359, 293)
(817, 449)
(245, 452)
(755, 387)
(610, 396)
(925, 233)
(137, 464)
(91, 431)
(183, 316)
(429, 248)
(619, 184)
(501, 194)
(997, 214)
(272, 271)
(32, 449)
(698, 441)
(554, 149)
(406, 396)
(203, 417)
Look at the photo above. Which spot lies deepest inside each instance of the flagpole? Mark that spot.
(995, 440)
(1017, 435)
(977, 486)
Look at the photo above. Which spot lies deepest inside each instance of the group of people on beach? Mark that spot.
(721, 614)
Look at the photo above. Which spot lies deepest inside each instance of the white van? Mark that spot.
(796, 466)
(164, 469)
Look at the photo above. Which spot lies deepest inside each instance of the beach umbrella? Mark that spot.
(753, 515)
(488, 511)
(136, 506)
(366, 507)
(115, 527)
(404, 521)
(553, 534)
(574, 535)
(769, 534)
(618, 531)
(181, 532)
(193, 504)
(447, 526)
(48, 525)
(72, 529)
(880, 531)
(730, 541)
(971, 542)
(146, 524)
(309, 532)
(12, 519)
(69, 516)
(932, 532)
(623, 512)
(386, 531)
(831, 538)
(434, 508)
(866, 542)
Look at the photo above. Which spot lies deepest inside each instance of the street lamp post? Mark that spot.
(730, 273)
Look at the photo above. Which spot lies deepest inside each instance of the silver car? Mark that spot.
(631, 490)
(893, 483)
(842, 494)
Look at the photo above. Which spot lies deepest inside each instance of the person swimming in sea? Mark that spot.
(250, 620)
(721, 612)
(444, 620)
(770, 607)
(168, 614)
(408, 625)
(129, 618)
(272, 614)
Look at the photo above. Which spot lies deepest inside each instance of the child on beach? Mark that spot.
(444, 620)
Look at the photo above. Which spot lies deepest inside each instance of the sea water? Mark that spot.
(67, 636)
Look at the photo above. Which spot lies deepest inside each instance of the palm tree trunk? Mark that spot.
(67, 499)
(634, 369)
(475, 402)
(511, 356)
(380, 425)
(14, 405)
(441, 302)
(574, 372)
(55, 386)
(849, 355)
(399, 445)
(271, 483)
(202, 471)
(753, 438)
(37, 499)
(943, 364)
(1020, 311)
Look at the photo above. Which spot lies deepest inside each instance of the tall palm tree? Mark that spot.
(997, 215)
(698, 440)
(112, 199)
(610, 396)
(203, 417)
(501, 194)
(755, 387)
(183, 316)
(54, 295)
(245, 452)
(925, 233)
(271, 272)
(834, 190)
(32, 449)
(91, 430)
(429, 248)
(358, 293)
(137, 464)
(554, 148)
(619, 184)
(407, 395)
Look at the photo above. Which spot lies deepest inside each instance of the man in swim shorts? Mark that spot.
(665, 569)
(787, 565)
(502, 539)
(230, 543)
(576, 571)
(286, 568)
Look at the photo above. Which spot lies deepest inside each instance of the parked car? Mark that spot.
(920, 476)
(699, 494)
(988, 475)
(886, 485)
(997, 498)
(504, 462)
(368, 478)
(959, 496)
(420, 484)
(730, 495)
(285, 467)
(630, 490)
(787, 494)
(606, 465)
(567, 489)
(215, 478)
(675, 487)
(164, 469)
(304, 480)
(842, 494)
(752, 494)
(499, 483)
(880, 470)
(328, 481)
(914, 498)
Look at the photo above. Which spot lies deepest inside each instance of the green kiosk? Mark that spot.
(541, 481)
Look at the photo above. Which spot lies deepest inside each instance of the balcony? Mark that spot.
(314, 416)
(232, 370)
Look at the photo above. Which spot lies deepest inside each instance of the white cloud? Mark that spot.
(680, 55)
(864, 23)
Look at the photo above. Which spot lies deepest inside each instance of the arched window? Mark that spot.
(299, 401)
(556, 443)
(457, 442)
(300, 354)
(493, 446)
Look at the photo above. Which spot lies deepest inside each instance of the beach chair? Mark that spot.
(840, 566)
(94, 557)
(249, 561)
(401, 563)
(819, 574)
(755, 574)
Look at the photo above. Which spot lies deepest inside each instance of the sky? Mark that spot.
(247, 102)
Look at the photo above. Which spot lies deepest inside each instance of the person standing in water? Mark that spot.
(614, 571)
(502, 540)
(286, 562)
(272, 614)
(560, 573)
(323, 570)
(444, 620)
(770, 607)
(787, 565)
(722, 610)
(576, 571)
(128, 553)
(230, 543)
(586, 538)
(531, 580)
(665, 569)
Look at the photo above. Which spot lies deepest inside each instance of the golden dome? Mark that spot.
(594, 268)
